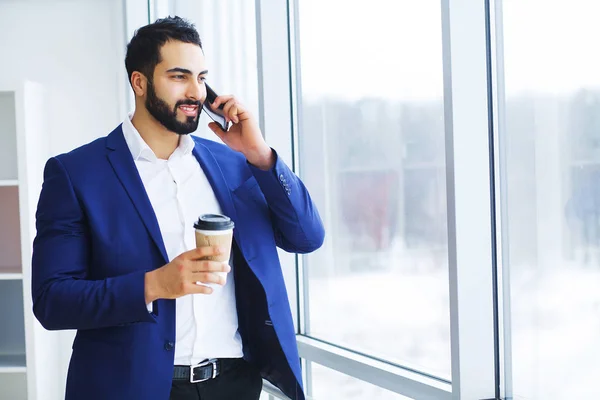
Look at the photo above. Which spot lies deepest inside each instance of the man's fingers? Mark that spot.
(193, 288)
(230, 110)
(210, 266)
(204, 251)
(221, 100)
(208, 277)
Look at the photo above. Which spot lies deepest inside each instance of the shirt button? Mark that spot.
(169, 346)
(281, 178)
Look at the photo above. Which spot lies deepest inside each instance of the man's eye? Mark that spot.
(179, 76)
(202, 78)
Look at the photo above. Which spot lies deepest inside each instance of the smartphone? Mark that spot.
(214, 114)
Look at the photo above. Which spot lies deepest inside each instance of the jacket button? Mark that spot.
(282, 178)
(169, 346)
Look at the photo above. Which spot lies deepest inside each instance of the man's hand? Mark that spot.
(179, 277)
(244, 135)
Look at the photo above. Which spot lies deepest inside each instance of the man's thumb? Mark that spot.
(216, 129)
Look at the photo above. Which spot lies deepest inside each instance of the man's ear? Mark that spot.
(139, 83)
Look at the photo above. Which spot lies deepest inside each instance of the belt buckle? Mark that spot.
(212, 362)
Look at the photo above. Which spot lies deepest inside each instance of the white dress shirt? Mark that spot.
(206, 325)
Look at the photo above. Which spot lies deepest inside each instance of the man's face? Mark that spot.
(176, 92)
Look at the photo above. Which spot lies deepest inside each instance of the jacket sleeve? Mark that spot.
(63, 297)
(296, 221)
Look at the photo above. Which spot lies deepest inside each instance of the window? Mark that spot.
(329, 384)
(371, 150)
(551, 169)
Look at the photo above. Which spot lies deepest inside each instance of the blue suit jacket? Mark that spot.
(97, 236)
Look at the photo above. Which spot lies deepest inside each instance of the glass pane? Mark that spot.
(371, 147)
(552, 164)
(329, 384)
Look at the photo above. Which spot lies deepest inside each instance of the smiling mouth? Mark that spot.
(190, 111)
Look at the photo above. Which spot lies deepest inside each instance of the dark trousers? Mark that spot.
(241, 381)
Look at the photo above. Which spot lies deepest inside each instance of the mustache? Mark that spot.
(187, 103)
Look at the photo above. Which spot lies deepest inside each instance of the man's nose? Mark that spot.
(196, 91)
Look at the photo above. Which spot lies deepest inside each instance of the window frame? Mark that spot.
(471, 197)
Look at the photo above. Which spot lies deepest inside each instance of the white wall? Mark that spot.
(75, 48)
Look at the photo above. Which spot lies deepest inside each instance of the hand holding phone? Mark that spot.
(214, 114)
(244, 135)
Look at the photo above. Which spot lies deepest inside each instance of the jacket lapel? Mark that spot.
(122, 162)
(217, 180)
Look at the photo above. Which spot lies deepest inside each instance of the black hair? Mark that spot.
(143, 51)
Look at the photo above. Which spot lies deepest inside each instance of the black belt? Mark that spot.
(207, 369)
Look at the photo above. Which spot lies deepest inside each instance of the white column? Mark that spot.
(470, 242)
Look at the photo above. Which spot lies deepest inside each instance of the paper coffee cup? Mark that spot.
(215, 230)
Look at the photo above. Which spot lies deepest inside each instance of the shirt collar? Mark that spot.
(186, 144)
(139, 148)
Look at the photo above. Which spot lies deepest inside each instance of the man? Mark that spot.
(115, 258)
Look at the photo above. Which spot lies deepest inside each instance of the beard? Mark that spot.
(167, 117)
